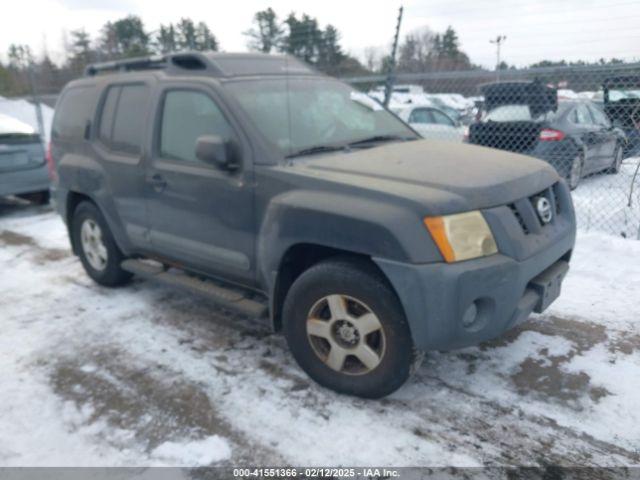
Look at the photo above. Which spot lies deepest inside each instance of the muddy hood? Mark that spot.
(445, 176)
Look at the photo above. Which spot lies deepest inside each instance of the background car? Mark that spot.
(622, 104)
(576, 136)
(23, 169)
(430, 122)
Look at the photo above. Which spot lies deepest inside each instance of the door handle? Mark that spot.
(158, 182)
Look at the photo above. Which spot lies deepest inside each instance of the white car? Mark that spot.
(430, 122)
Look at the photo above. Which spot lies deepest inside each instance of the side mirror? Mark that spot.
(214, 150)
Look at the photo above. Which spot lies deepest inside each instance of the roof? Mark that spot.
(208, 63)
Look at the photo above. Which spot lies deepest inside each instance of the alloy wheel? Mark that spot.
(92, 244)
(346, 335)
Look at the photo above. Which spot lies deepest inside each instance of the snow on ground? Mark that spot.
(144, 375)
(602, 202)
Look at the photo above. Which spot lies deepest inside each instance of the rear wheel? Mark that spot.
(617, 161)
(98, 252)
(575, 171)
(347, 330)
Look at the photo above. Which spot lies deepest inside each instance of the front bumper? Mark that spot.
(505, 288)
(505, 292)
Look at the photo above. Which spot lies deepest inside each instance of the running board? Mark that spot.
(232, 298)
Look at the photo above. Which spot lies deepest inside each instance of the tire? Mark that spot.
(575, 171)
(617, 161)
(359, 290)
(38, 198)
(89, 221)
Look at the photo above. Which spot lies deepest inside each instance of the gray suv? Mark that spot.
(279, 192)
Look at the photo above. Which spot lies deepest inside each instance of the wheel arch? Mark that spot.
(299, 258)
(72, 201)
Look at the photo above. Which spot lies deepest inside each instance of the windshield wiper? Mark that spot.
(316, 149)
(381, 139)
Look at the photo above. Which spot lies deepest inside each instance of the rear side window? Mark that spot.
(73, 113)
(108, 110)
(122, 120)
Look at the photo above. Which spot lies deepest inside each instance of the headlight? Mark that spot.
(462, 236)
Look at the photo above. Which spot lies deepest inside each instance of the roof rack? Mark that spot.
(209, 63)
(184, 61)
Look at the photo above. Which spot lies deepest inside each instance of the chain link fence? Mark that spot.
(584, 121)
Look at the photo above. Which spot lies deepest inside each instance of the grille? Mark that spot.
(525, 213)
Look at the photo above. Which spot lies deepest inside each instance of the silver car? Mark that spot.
(23, 168)
(430, 122)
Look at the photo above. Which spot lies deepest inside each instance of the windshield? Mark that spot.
(295, 114)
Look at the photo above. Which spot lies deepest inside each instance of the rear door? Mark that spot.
(201, 216)
(121, 128)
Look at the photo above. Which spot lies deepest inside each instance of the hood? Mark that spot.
(445, 176)
(538, 97)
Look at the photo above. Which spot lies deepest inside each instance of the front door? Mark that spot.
(201, 215)
(591, 136)
(609, 137)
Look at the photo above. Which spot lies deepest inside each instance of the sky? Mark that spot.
(535, 30)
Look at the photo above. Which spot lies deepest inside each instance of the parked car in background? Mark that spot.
(430, 122)
(456, 106)
(622, 105)
(576, 137)
(399, 93)
(23, 169)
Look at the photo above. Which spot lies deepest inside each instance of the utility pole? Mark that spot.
(392, 62)
(498, 43)
(37, 102)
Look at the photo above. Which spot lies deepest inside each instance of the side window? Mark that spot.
(582, 116)
(105, 126)
(599, 116)
(441, 119)
(186, 115)
(73, 113)
(420, 115)
(129, 120)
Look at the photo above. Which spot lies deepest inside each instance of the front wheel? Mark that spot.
(347, 330)
(617, 161)
(98, 252)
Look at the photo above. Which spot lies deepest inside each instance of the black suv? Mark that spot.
(280, 192)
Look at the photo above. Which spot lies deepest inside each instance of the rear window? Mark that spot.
(509, 113)
(73, 113)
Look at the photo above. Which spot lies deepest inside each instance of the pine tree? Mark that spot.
(267, 35)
